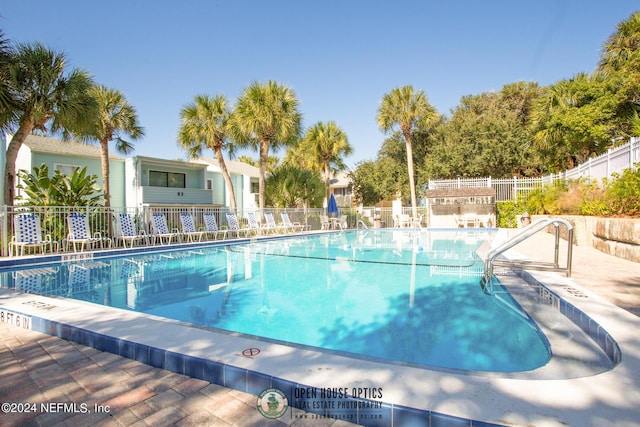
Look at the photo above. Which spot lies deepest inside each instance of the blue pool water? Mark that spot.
(402, 296)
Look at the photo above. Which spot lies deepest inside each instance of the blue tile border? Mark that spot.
(590, 327)
(359, 410)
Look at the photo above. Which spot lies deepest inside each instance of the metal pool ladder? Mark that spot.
(492, 260)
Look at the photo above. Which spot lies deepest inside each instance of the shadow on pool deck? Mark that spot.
(37, 368)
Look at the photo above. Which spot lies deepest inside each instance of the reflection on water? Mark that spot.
(409, 296)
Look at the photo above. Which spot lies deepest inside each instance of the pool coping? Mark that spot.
(444, 398)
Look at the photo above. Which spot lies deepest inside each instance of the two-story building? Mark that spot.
(146, 181)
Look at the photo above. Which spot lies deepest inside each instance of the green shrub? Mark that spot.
(623, 193)
(506, 213)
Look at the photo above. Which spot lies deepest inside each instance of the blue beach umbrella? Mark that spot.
(332, 208)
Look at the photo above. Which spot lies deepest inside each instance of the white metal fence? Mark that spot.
(614, 161)
(53, 220)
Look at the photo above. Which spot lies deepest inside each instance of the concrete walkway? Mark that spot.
(78, 385)
(614, 279)
(53, 382)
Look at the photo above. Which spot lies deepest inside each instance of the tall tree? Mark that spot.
(575, 118)
(620, 62)
(324, 145)
(410, 111)
(266, 116)
(8, 102)
(47, 98)
(205, 124)
(115, 118)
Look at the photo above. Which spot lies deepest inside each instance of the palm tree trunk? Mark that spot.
(227, 178)
(326, 181)
(412, 182)
(104, 156)
(12, 154)
(264, 156)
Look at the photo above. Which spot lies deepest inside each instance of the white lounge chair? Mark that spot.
(80, 234)
(28, 235)
(126, 231)
(271, 224)
(234, 225)
(342, 222)
(293, 226)
(160, 230)
(189, 227)
(211, 225)
(254, 226)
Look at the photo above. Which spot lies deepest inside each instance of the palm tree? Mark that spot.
(115, 118)
(8, 105)
(410, 111)
(45, 96)
(622, 44)
(290, 186)
(324, 145)
(266, 116)
(205, 124)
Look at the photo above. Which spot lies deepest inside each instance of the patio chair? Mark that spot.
(211, 225)
(80, 234)
(325, 224)
(234, 225)
(342, 223)
(189, 228)
(126, 231)
(160, 230)
(271, 224)
(28, 235)
(293, 226)
(254, 226)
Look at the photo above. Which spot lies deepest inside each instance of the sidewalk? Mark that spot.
(79, 385)
(614, 279)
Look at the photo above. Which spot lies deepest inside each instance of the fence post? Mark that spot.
(632, 153)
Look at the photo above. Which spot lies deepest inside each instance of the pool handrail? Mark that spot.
(491, 259)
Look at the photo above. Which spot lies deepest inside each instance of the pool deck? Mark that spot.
(39, 368)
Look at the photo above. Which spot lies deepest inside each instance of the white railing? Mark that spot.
(614, 161)
(53, 220)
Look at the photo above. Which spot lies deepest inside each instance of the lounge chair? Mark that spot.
(254, 226)
(341, 222)
(211, 225)
(189, 228)
(126, 231)
(28, 235)
(271, 224)
(234, 225)
(160, 230)
(293, 226)
(80, 234)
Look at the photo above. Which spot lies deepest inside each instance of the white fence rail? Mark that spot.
(614, 161)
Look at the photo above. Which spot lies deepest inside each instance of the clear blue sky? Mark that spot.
(339, 56)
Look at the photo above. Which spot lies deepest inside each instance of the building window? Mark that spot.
(255, 187)
(65, 169)
(167, 179)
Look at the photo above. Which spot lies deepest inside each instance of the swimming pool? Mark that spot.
(408, 297)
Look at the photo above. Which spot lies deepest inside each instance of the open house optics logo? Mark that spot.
(344, 403)
(272, 403)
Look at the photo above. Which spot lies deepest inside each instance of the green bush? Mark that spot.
(506, 213)
(623, 193)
